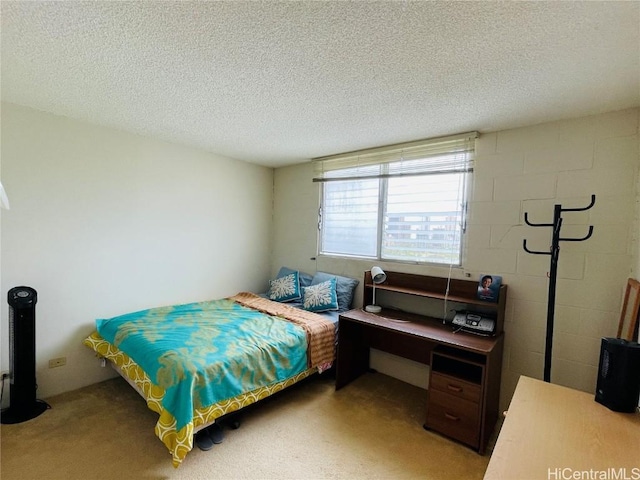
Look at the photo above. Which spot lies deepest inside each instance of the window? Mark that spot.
(403, 203)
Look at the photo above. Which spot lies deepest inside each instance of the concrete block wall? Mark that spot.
(530, 170)
(520, 170)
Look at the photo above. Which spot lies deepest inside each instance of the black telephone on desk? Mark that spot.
(474, 323)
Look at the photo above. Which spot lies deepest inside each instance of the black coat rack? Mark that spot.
(553, 272)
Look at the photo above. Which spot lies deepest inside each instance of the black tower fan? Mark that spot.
(22, 357)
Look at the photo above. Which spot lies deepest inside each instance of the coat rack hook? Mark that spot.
(524, 245)
(526, 220)
(593, 202)
(578, 239)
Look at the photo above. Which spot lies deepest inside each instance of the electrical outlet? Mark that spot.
(57, 362)
(5, 374)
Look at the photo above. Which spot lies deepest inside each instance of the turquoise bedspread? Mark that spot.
(202, 353)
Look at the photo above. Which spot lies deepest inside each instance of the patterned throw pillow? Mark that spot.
(345, 288)
(320, 297)
(285, 289)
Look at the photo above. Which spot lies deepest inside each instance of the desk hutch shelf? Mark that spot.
(460, 291)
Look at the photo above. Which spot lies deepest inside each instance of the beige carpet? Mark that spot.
(372, 429)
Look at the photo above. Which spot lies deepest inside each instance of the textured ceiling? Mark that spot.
(277, 83)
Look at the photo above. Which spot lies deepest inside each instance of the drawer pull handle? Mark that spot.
(448, 416)
(454, 388)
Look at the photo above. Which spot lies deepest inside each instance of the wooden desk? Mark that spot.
(550, 432)
(464, 385)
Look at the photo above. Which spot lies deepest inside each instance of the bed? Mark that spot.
(196, 362)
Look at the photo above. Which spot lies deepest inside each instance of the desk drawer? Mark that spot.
(453, 416)
(454, 386)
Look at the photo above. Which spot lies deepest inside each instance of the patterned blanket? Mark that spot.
(199, 356)
(321, 335)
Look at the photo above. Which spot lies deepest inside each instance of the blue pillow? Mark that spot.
(320, 297)
(345, 288)
(305, 278)
(285, 289)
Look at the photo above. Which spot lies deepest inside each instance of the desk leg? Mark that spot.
(353, 353)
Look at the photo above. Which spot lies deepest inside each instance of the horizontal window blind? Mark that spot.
(349, 223)
(438, 155)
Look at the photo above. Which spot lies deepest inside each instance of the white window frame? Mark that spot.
(433, 157)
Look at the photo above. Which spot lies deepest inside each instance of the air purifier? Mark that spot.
(23, 404)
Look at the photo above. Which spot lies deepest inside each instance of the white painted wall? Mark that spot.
(104, 222)
(523, 170)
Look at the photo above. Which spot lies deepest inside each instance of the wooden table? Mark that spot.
(556, 433)
(463, 399)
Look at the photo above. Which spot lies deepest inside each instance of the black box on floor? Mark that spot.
(618, 386)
